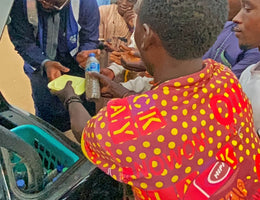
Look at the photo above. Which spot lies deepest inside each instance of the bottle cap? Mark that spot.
(92, 55)
(20, 183)
(60, 168)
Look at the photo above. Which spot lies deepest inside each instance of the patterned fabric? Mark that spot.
(189, 138)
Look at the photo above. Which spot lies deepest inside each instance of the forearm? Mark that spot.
(129, 93)
(89, 44)
(78, 118)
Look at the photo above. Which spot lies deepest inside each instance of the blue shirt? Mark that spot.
(226, 51)
(32, 49)
(103, 2)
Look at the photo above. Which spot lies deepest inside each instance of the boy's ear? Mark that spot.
(148, 38)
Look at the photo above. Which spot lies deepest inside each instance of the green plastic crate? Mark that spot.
(51, 151)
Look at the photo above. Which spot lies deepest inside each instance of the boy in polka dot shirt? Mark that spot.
(191, 136)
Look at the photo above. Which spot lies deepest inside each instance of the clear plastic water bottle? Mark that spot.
(92, 84)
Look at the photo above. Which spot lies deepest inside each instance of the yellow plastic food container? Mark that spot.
(59, 83)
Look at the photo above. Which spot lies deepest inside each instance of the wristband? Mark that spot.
(70, 100)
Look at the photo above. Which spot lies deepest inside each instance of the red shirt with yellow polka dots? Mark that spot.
(189, 138)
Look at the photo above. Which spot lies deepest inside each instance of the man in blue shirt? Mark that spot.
(226, 49)
(49, 34)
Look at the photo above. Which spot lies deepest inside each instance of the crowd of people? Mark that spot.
(184, 125)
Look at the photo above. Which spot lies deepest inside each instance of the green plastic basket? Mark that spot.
(52, 152)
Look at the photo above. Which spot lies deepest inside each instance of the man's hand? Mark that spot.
(66, 92)
(132, 63)
(108, 73)
(82, 56)
(109, 47)
(115, 56)
(137, 66)
(78, 114)
(109, 88)
(125, 48)
(54, 69)
(129, 18)
(135, 53)
(127, 52)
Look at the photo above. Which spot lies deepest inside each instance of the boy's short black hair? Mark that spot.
(187, 28)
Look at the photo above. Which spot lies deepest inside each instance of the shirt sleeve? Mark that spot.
(139, 84)
(245, 76)
(96, 144)
(117, 69)
(21, 35)
(109, 139)
(89, 22)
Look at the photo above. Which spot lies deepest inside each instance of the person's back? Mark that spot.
(184, 132)
(190, 137)
(192, 131)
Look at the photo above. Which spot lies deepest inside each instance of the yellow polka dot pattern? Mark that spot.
(191, 135)
(142, 155)
(146, 144)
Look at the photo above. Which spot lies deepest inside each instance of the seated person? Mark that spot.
(116, 27)
(135, 77)
(189, 137)
(127, 63)
(117, 22)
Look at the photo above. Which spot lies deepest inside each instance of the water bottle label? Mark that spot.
(93, 67)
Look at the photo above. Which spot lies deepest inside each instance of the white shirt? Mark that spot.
(250, 82)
